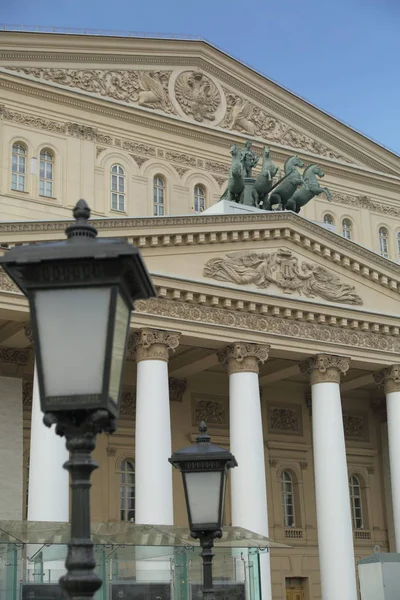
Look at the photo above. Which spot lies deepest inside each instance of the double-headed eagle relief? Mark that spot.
(268, 191)
(283, 269)
(197, 95)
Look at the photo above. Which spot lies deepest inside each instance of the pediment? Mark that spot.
(209, 93)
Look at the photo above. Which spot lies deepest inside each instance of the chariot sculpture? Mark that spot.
(268, 191)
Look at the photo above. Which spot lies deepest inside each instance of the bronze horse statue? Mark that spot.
(287, 186)
(263, 182)
(308, 190)
(235, 189)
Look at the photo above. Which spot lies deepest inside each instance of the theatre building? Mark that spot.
(280, 330)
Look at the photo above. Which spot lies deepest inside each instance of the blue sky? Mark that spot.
(341, 55)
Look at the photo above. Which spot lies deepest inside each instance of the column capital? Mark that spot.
(241, 357)
(388, 378)
(153, 344)
(323, 368)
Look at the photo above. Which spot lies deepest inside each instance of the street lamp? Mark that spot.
(204, 467)
(81, 293)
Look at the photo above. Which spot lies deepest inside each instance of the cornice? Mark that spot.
(264, 99)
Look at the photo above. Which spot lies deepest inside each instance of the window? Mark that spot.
(356, 502)
(117, 188)
(328, 219)
(158, 196)
(199, 198)
(383, 242)
(347, 228)
(46, 173)
(127, 490)
(287, 499)
(18, 179)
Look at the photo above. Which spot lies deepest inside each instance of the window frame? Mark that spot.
(289, 520)
(358, 522)
(46, 180)
(329, 216)
(383, 237)
(17, 174)
(125, 490)
(347, 228)
(159, 205)
(120, 176)
(197, 197)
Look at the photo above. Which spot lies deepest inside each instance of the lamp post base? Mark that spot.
(207, 543)
(80, 429)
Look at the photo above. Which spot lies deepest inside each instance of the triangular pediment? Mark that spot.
(200, 85)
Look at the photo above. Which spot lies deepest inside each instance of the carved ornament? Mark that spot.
(15, 356)
(284, 270)
(139, 160)
(244, 116)
(389, 379)
(28, 331)
(128, 403)
(355, 426)
(32, 121)
(213, 410)
(197, 96)
(177, 388)
(6, 284)
(153, 344)
(285, 419)
(243, 358)
(325, 368)
(27, 393)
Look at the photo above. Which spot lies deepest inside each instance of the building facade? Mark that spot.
(279, 330)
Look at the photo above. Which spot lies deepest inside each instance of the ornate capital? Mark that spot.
(243, 358)
(153, 344)
(389, 379)
(28, 332)
(324, 368)
(15, 356)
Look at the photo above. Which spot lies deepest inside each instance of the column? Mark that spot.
(153, 427)
(390, 379)
(48, 495)
(248, 482)
(11, 463)
(335, 532)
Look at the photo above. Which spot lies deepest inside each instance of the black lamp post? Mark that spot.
(81, 293)
(204, 467)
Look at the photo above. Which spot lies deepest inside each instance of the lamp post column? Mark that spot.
(248, 482)
(335, 532)
(390, 379)
(153, 474)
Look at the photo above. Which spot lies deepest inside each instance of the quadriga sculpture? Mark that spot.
(285, 189)
(308, 190)
(263, 182)
(236, 179)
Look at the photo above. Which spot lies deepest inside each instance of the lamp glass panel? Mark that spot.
(203, 490)
(118, 346)
(72, 326)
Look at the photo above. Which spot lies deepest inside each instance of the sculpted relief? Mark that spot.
(188, 93)
(283, 269)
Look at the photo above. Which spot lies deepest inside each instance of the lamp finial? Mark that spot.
(203, 438)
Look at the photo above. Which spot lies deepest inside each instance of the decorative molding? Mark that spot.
(213, 410)
(139, 148)
(128, 403)
(182, 158)
(389, 379)
(111, 451)
(153, 344)
(285, 419)
(370, 469)
(99, 150)
(177, 388)
(355, 425)
(221, 180)
(245, 117)
(284, 270)
(7, 284)
(304, 465)
(243, 358)
(32, 121)
(274, 325)
(28, 332)
(15, 356)
(273, 463)
(139, 160)
(27, 393)
(197, 96)
(325, 368)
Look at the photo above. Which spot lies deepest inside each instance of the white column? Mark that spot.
(153, 473)
(48, 496)
(390, 378)
(335, 532)
(248, 482)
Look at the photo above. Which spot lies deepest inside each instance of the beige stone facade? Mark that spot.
(271, 279)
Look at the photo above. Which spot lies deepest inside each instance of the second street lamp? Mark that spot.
(81, 293)
(204, 467)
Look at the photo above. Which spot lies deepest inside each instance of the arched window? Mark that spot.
(118, 191)
(329, 220)
(18, 178)
(199, 198)
(127, 490)
(356, 503)
(46, 173)
(347, 228)
(383, 242)
(158, 196)
(288, 499)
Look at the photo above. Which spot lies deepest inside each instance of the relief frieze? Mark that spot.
(283, 269)
(285, 419)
